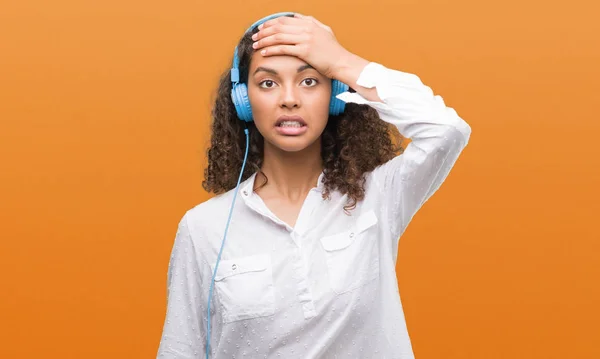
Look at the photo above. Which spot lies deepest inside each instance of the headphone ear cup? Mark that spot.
(337, 106)
(239, 96)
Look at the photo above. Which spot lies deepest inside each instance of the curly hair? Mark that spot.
(352, 143)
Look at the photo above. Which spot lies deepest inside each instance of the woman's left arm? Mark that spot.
(438, 136)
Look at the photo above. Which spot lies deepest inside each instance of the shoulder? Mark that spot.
(203, 216)
(206, 221)
(202, 225)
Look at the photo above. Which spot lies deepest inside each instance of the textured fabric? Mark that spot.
(326, 288)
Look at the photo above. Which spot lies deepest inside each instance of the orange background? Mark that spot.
(104, 122)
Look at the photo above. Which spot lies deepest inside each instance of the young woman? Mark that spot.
(303, 264)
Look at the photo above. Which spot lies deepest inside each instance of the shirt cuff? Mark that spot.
(373, 75)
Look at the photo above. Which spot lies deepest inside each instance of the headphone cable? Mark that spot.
(246, 131)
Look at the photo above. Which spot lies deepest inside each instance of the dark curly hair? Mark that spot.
(352, 143)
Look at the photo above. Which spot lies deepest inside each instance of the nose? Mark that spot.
(289, 97)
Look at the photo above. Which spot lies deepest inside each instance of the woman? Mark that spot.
(308, 266)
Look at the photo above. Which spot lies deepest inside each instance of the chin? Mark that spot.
(292, 143)
(291, 146)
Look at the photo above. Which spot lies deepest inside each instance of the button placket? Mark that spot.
(304, 292)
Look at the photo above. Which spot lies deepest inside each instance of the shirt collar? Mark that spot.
(247, 186)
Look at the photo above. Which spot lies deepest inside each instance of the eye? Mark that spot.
(270, 82)
(311, 81)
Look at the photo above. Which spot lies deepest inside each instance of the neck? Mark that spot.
(291, 175)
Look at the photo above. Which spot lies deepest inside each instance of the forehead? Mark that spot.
(280, 63)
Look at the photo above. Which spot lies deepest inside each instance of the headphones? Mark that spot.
(239, 95)
(239, 91)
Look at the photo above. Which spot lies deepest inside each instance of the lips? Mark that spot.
(290, 118)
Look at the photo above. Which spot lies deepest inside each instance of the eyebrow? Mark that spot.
(269, 70)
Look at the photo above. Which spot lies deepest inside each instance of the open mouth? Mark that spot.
(290, 125)
(290, 128)
(296, 124)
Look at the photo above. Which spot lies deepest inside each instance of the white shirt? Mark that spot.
(326, 288)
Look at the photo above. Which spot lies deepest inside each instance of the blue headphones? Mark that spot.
(239, 91)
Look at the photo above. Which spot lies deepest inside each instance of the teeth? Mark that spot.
(290, 124)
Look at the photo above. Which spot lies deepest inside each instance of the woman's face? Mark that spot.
(286, 85)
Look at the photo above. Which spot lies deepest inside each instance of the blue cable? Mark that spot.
(223, 244)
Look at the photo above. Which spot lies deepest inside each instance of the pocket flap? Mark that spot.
(342, 240)
(337, 241)
(235, 266)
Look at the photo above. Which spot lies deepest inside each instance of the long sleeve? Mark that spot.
(438, 136)
(183, 334)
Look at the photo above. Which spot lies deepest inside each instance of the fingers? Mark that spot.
(286, 20)
(289, 50)
(280, 36)
(277, 28)
(296, 20)
(279, 39)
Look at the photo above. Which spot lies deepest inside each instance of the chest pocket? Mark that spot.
(245, 287)
(353, 255)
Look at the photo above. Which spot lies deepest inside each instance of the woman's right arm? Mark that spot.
(184, 335)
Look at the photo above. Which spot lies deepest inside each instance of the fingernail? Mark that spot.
(260, 26)
(254, 37)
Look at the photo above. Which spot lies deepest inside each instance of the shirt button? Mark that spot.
(233, 267)
(351, 234)
(245, 193)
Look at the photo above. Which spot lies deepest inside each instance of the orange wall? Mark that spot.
(103, 125)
